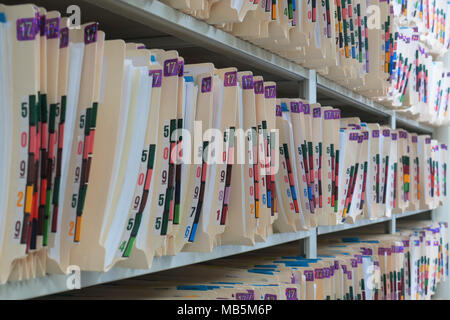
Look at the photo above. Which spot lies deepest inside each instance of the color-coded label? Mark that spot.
(157, 78)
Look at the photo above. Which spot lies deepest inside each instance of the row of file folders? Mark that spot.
(372, 266)
(108, 156)
(384, 50)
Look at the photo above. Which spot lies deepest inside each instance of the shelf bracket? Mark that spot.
(308, 246)
(309, 87)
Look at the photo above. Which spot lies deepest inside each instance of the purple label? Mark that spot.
(206, 84)
(360, 138)
(387, 133)
(180, 68)
(389, 251)
(52, 28)
(42, 25)
(354, 263)
(375, 133)
(428, 243)
(376, 263)
(295, 107)
(291, 294)
(353, 136)
(278, 111)
(415, 37)
(336, 265)
(403, 135)
(406, 243)
(26, 29)
(271, 92)
(394, 137)
(317, 112)
(344, 267)
(90, 34)
(64, 38)
(327, 273)
(306, 108)
(427, 140)
(337, 114)
(157, 78)
(381, 251)
(230, 79)
(366, 135)
(349, 275)
(366, 251)
(331, 271)
(443, 146)
(358, 258)
(328, 114)
(309, 274)
(270, 297)
(417, 243)
(259, 87)
(247, 82)
(318, 273)
(142, 47)
(171, 68)
(243, 296)
(414, 139)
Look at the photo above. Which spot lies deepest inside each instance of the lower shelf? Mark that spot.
(53, 284)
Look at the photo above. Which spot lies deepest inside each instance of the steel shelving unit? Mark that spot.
(155, 22)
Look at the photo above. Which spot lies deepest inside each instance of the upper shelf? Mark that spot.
(159, 16)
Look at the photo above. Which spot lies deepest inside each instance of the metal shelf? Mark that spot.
(53, 284)
(157, 15)
(154, 15)
(367, 222)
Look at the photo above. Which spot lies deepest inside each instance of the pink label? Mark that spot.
(206, 84)
(230, 79)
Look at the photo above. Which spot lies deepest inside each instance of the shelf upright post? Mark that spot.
(391, 226)
(309, 88)
(308, 246)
